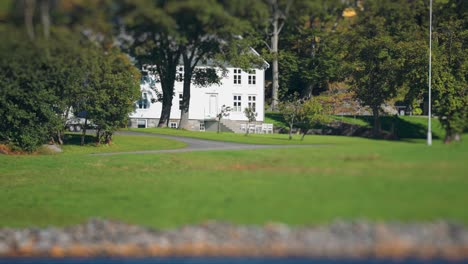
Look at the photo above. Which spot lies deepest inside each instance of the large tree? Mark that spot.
(154, 41)
(376, 55)
(205, 31)
(450, 71)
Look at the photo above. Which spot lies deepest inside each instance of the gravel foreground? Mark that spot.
(341, 239)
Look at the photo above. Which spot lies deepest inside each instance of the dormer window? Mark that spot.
(252, 78)
(237, 76)
(143, 103)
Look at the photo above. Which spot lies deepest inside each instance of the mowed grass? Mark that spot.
(349, 178)
(262, 139)
(119, 144)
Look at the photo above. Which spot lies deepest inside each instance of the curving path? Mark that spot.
(195, 144)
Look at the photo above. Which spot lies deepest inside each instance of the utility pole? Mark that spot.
(429, 130)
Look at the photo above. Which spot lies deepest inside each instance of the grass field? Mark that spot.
(349, 178)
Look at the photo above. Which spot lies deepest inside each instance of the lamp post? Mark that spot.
(429, 131)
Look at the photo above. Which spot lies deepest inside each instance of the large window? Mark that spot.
(143, 103)
(252, 78)
(237, 76)
(252, 102)
(237, 103)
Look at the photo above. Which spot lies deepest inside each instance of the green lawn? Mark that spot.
(268, 139)
(349, 178)
(119, 144)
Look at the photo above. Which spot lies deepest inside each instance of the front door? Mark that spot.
(213, 105)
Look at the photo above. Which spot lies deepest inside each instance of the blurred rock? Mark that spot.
(347, 239)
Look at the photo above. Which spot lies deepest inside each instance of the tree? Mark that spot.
(375, 61)
(154, 47)
(290, 109)
(313, 49)
(311, 113)
(450, 70)
(112, 87)
(205, 31)
(279, 12)
(27, 97)
(223, 112)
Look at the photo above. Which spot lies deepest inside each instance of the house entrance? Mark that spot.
(213, 105)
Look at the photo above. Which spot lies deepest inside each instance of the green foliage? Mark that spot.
(42, 82)
(27, 96)
(450, 73)
(312, 112)
(291, 109)
(114, 86)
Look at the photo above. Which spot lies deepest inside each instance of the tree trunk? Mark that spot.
(167, 78)
(45, 18)
(166, 110)
(29, 6)
(304, 132)
(376, 128)
(448, 138)
(184, 112)
(98, 136)
(83, 134)
(108, 138)
(290, 131)
(275, 70)
(59, 138)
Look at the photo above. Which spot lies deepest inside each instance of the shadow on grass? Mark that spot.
(407, 127)
(401, 128)
(74, 139)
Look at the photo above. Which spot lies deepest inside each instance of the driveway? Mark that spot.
(195, 144)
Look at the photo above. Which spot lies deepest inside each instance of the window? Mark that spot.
(180, 101)
(180, 74)
(143, 103)
(252, 77)
(252, 102)
(173, 124)
(141, 123)
(202, 126)
(237, 76)
(237, 103)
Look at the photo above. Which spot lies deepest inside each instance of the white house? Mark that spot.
(238, 89)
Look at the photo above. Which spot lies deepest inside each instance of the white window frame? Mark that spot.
(237, 103)
(252, 78)
(252, 102)
(173, 124)
(237, 76)
(202, 126)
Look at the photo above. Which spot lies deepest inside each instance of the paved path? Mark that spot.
(195, 144)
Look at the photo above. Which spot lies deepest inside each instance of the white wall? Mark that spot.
(200, 98)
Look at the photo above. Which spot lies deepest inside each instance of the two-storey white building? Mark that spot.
(238, 89)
